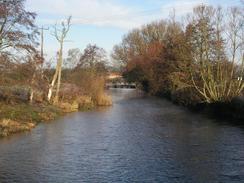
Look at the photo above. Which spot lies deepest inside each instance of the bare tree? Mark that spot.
(73, 58)
(91, 57)
(213, 74)
(236, 42)
(60, 36)
(17, 28)
(136, 42)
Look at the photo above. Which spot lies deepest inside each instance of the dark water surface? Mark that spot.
(139, 139)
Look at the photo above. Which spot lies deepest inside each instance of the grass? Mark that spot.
(28, 113)
(104, 100)
(8, 127)
(22, 116)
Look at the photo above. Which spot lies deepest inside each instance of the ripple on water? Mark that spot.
(139, 139)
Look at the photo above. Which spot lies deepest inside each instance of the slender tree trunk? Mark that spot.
(50, 91)
(57, 76)
(59, 72)
(31, 95)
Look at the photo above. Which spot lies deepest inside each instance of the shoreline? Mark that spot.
(22, 117)
(233, 110)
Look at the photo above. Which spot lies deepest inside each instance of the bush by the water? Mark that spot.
(104, 100)
(8, 126)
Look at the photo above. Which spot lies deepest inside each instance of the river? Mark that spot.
(138, 139)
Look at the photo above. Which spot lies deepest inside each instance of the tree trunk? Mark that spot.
(58, 72)
(50, 91)
(60, 60)
(31, 95)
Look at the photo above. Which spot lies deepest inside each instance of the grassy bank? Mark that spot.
(20, 117)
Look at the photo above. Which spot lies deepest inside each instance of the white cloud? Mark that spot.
(182, 7)
(105, 12)
(96, 12)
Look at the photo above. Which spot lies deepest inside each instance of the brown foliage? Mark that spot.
(166, 58)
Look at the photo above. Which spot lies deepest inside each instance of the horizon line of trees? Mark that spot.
(199, 60)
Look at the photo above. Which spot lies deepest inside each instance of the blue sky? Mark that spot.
(104, 22)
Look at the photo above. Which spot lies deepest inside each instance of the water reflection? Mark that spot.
(139, 139)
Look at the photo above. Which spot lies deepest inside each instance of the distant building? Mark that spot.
(114, 75)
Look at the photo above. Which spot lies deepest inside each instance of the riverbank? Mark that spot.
(20, 117)
(233, 110)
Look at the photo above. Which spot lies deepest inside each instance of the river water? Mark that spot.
(139, 139)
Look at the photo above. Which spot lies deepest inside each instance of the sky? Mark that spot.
(104, 22)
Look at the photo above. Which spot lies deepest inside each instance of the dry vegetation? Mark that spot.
(32, 91)
(17, 117)
(8, 127)
(198, 61)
